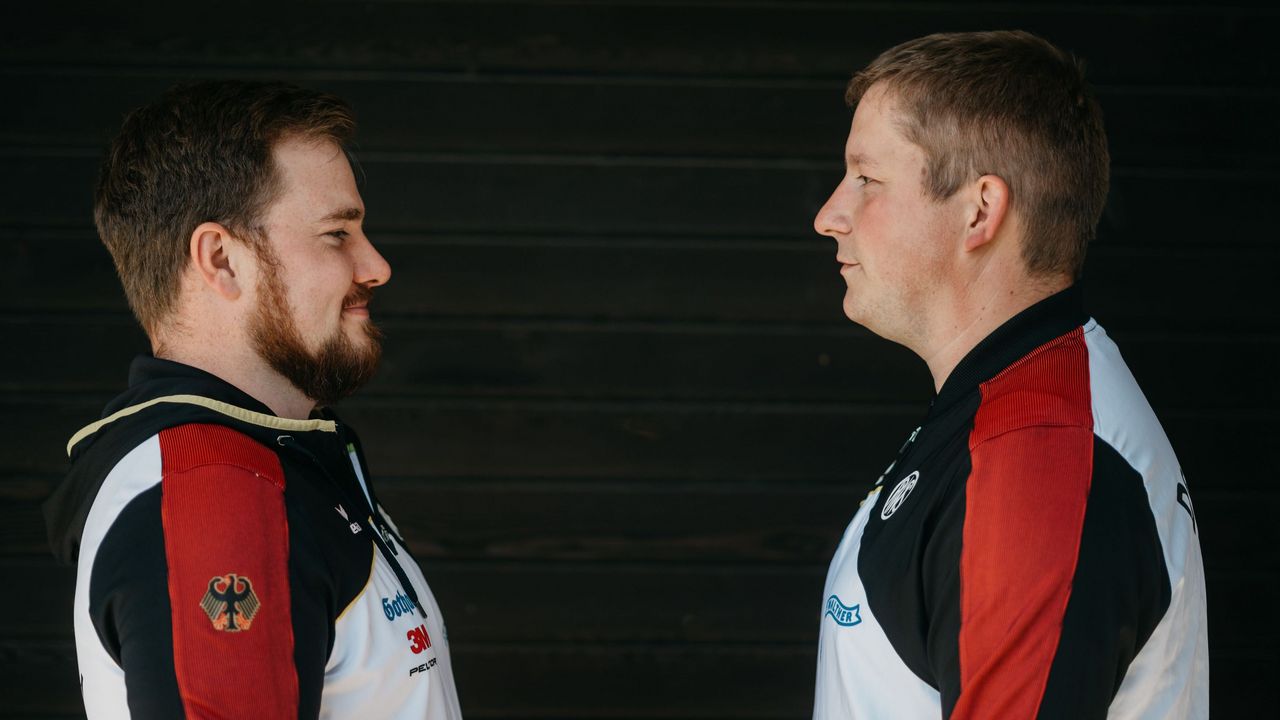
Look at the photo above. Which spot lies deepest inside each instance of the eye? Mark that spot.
(339, 234)
(862, 180)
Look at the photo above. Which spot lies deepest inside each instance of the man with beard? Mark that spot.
(232, 557)
(1032, 551)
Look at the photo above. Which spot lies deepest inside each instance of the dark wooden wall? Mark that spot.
(622, 418)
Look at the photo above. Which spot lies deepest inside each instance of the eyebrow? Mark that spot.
(859, 159)
(351, 213)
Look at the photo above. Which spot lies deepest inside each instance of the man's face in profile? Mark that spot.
(893, 241)
(317, 271)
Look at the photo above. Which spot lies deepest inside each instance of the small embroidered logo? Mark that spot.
(230, 602)
(844, 615)
(899, 495)
(355, 526)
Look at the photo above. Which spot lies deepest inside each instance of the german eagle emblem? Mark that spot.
(230, 602)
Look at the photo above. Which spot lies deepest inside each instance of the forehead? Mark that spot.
(314, 172)
(875, 135)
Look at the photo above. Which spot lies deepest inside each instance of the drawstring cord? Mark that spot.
(388, 552)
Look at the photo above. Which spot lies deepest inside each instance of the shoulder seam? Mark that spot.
(220, 463)
(1030, 426)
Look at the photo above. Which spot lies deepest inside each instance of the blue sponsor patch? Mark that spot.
(397, 606)
(845, 615)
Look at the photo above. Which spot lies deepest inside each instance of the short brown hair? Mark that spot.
(1010, 104)
(201, 153)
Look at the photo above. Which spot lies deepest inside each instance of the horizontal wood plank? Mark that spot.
(1123, 44)
(619, 116)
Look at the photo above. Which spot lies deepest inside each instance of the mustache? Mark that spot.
(360, 295)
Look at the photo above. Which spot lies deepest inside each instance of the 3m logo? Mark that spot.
(844, 615)
(419, 640)
(899, 495)
(230, 603)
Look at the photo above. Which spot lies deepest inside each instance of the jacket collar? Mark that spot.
(1049, 318)
(154, 382)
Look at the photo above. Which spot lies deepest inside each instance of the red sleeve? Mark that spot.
(226, 541)
(1031, 451)
(1025, 505)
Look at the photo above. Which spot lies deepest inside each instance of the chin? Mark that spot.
(864, 317)
(853, 312)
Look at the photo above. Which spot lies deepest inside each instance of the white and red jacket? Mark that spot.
(1031, 553)
(235, 564)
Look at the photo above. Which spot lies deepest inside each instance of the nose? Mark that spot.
(371, 268)
(832, 220)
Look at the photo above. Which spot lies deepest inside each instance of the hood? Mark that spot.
(161, 394)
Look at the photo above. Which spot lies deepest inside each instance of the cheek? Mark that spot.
(311, 304)
(878, 212)
(326, 282)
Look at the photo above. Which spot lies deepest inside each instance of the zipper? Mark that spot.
(387, 532)
(902, 451)
(388, 552)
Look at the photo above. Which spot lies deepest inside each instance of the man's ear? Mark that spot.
(987, 211)
(215, 255)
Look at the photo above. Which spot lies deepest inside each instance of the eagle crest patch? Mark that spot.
(230, 602)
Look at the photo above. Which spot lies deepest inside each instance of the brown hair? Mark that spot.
(201, 153)
(1009, 104)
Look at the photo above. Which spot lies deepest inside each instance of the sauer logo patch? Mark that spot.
(230, 602)
(899, 495)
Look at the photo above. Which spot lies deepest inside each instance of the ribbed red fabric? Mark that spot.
(1032, 454)
(223, 513)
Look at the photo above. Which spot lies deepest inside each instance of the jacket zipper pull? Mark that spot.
(388, 550)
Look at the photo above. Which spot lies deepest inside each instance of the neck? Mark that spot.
(239, 365)
(973, 313)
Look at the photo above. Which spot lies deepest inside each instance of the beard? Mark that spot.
(335, 370)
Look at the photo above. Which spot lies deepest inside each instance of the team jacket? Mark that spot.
(235, 564)
(1031, 553)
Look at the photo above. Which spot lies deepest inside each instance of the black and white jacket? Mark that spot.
(232, 563)
(1031, 553)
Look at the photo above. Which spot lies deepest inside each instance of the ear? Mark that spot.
(215, 256)
(988, 211)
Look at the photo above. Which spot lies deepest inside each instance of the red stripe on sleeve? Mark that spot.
(1032, 455)
(226, 540)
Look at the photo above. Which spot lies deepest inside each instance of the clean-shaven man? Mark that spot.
(1032, 550)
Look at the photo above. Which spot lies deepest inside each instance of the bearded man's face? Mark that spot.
(316, 273)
